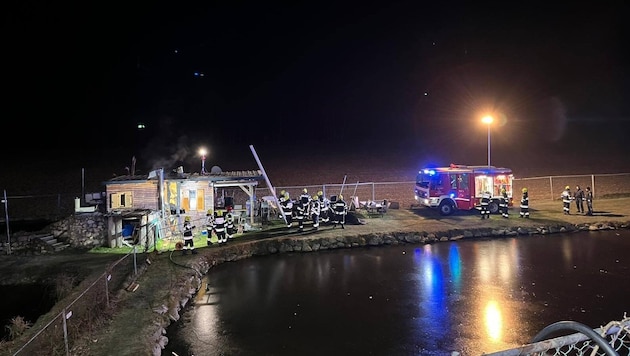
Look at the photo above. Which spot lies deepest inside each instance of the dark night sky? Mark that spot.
(79, 76)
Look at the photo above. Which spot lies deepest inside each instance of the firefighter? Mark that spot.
(189, 242)
(340, 208)
(485, 201)
(287, 207)
(524, 204)
(300, 213)
(209, 226)
(315, 211)
(589, 201)
(566, 200)
(324, 205)
(504, 203)
(306, 202)
(230, 228)
(579, 199)
(219, 227)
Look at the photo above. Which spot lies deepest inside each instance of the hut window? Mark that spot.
(121, 200)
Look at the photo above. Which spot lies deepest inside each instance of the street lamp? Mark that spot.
(488, 120)
(202, 153)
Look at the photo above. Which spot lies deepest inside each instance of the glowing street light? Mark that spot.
(202, 153)
(488, 120)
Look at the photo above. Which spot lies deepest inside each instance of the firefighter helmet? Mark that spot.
(340, 197)
(524, 190)
(304, 191)
(315, 197)
(219, 212)
(567, 187)
(282, 193)
(187, 218)
(320, 193)
(209, 212)
(286, 195)
(503, 190)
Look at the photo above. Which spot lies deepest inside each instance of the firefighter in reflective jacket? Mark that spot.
(315, 210)
(324, 205)
(189, 242)
(306, 202)
(219, 227)
(287, 207)
(340, 209)
(524, 204)
(483, 206)
(209, 226)
(566, 200)
(230, 228)
(300, 213)
(503, 203)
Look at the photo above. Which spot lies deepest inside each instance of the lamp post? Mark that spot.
(202, 153)
(488, 120)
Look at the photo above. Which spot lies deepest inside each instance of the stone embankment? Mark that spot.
(189, 283)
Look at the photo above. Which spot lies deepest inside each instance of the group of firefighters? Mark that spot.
(320, 209)
(504, 202)
(579, 197)
(221, 224)
(317, 208)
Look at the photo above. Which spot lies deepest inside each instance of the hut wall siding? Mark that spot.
(145, 195)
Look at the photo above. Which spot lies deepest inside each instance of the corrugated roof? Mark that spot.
(228, 175)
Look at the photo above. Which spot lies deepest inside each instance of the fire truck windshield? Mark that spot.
(430, 179)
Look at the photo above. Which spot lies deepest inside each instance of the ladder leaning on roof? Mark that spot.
(271, 188)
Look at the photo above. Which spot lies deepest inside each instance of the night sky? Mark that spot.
(305, 78)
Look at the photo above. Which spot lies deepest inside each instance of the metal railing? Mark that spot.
(85, 313)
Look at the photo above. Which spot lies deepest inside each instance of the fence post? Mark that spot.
(551, 185)
(135, 262)
(6, 220)
(65, 330)
(107, 277)
(373, 195)
(593, 185)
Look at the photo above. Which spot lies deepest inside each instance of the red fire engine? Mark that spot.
(460, 187)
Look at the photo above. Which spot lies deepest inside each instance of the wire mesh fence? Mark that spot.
(539, 188)
(610, 340)
(84, 315)
(550, 187)
(53, 206)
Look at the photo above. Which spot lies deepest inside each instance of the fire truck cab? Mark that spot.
(459, 187)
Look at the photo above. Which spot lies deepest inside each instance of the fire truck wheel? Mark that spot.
(493, 207)
(446, 208)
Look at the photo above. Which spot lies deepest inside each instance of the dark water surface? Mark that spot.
(470, 296)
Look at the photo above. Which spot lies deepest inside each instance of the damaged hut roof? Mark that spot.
(214, 176)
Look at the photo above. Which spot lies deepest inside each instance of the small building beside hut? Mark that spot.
(149, 207)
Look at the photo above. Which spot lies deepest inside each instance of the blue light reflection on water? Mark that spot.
(470, 296)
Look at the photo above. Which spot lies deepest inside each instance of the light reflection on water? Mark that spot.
(467, 296)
